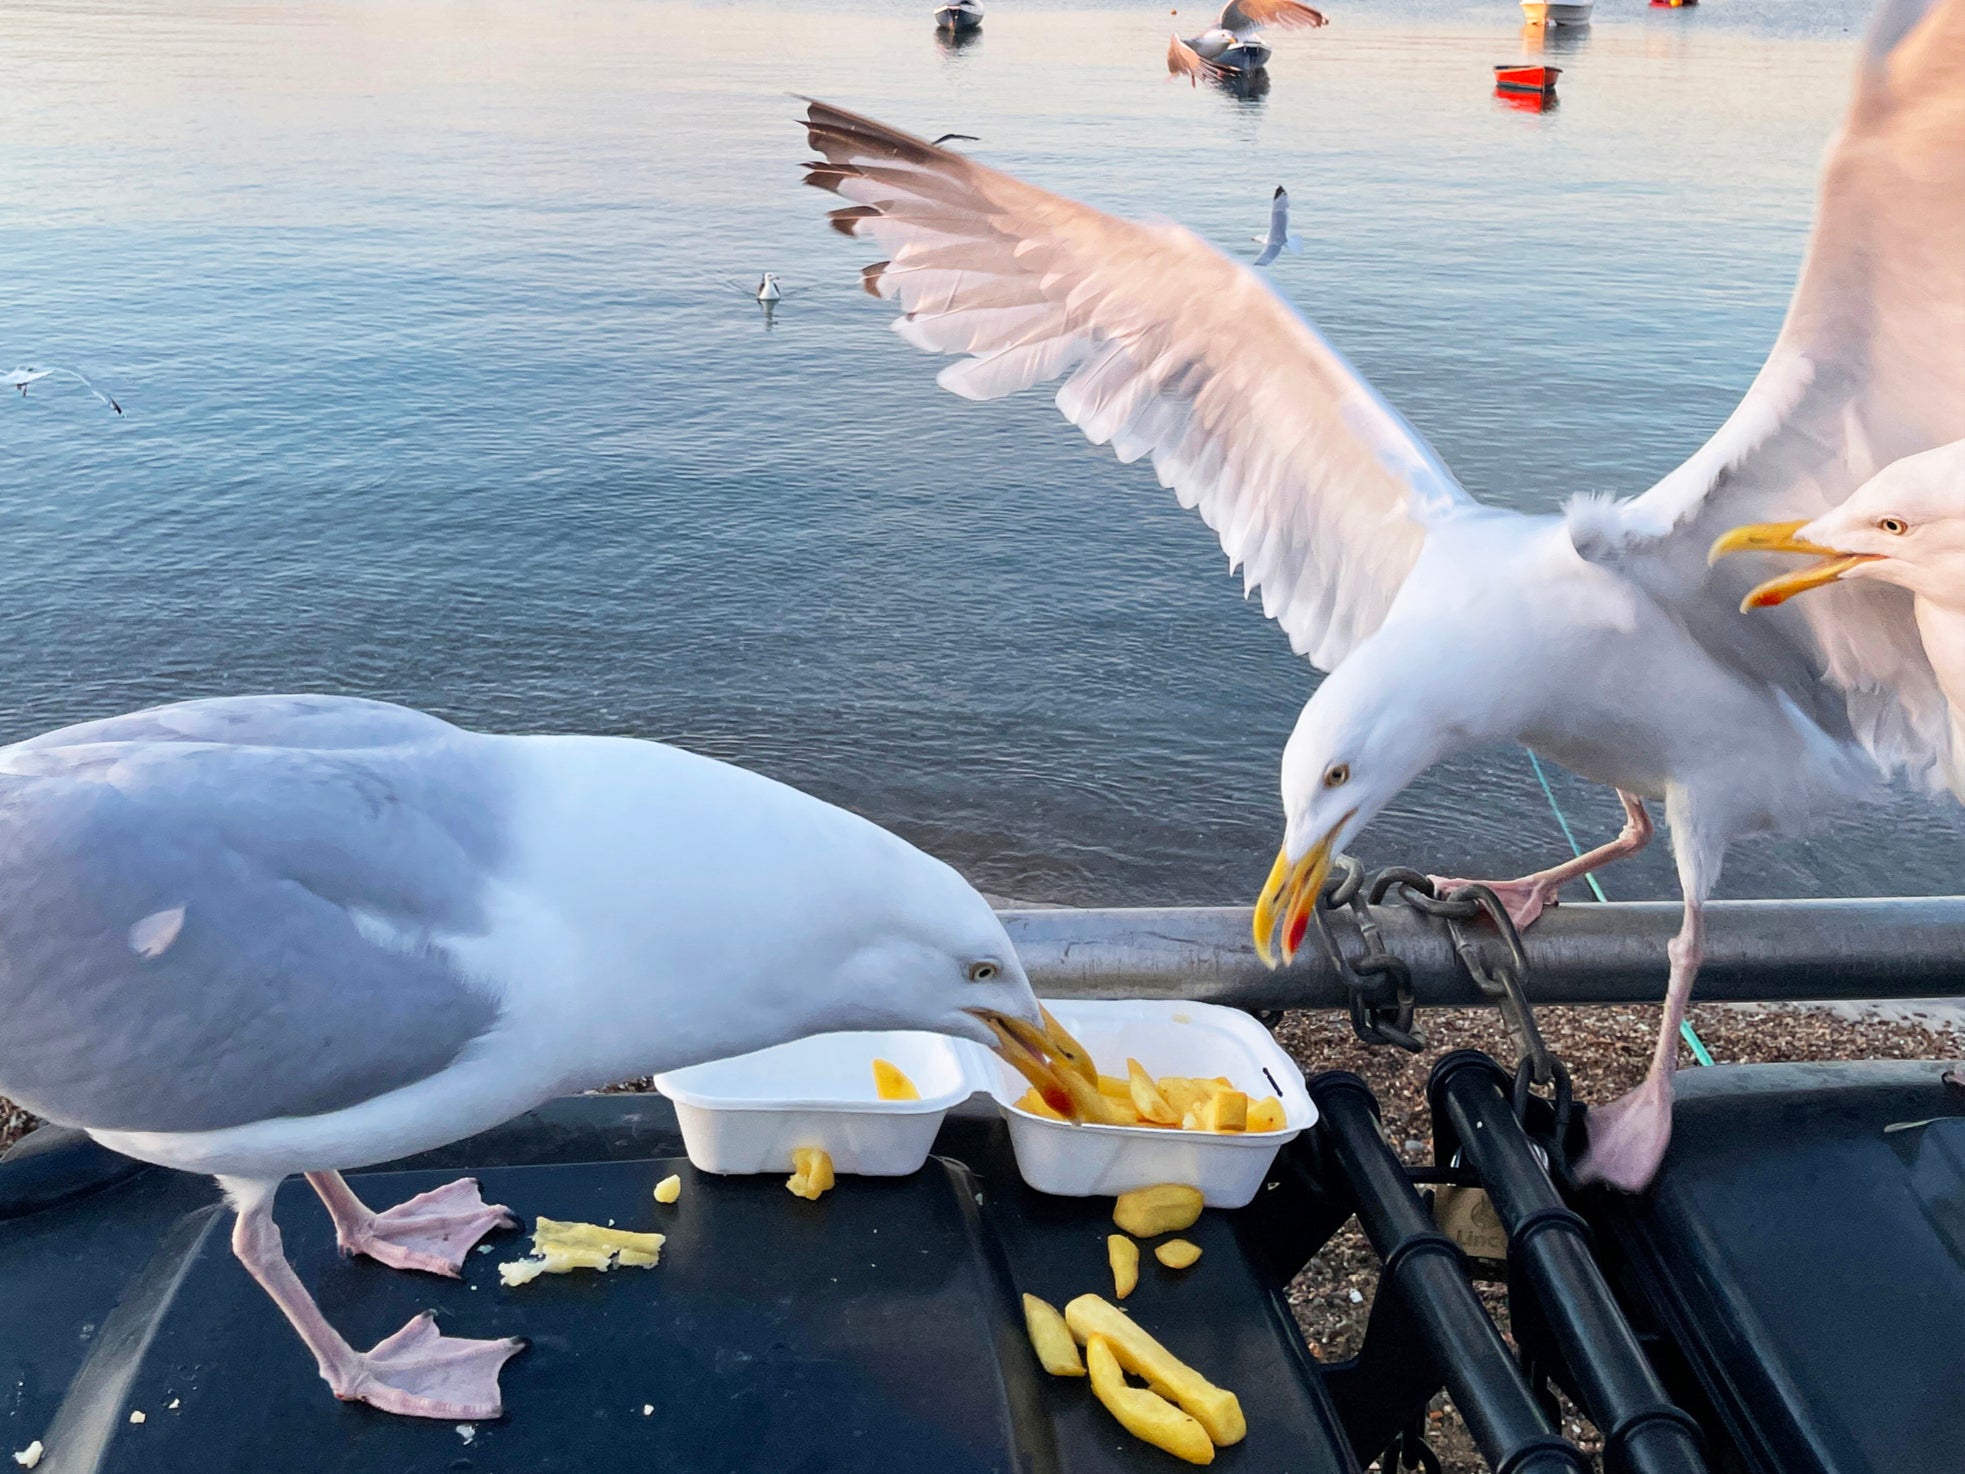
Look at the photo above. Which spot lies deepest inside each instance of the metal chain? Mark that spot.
(1366, 978)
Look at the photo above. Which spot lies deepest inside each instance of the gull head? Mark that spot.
(1905, 525)
(1377, 722)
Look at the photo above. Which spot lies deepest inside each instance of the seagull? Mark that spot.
(768, 289)
(1904, 526)
(20, 378)
(1279, 237)
(1598, 636)
(956, 138)
(1234, 42)
(261, 935)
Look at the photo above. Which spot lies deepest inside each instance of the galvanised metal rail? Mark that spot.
(1581, 952)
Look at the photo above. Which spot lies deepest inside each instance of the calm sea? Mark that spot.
(438, 390)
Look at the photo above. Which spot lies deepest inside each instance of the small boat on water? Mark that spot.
(1558, 12)
(1530, 79)
(964, 15)
(1671, 4)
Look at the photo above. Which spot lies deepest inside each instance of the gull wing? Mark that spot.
(1279, 228)
(1246, 17)
(1319, 491)
(1869, 368)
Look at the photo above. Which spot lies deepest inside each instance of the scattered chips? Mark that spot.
(1123, 1255)
(560, 1247)
(811, 1173)
(1177, 1253)
(668, 1189)
(1217, 1410)
(1147, 1212)
(1143, 1413)
(1056, 1351)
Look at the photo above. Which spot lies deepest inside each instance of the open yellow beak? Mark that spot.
(1779, 537)
(1058, 1067)
(1290, 891)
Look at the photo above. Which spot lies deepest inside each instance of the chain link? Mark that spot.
(1369, 976)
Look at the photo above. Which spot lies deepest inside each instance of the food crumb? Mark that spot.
(487, 1248)
(28, 1457)
(1356, 1297)
(467, 1431)
(668, 1189)
(136, 1415)
(648, 1409)
(173, 1407)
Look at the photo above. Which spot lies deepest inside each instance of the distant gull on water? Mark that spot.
(20, 378)
(1597, 636)
(1279, 238)
(262, 935)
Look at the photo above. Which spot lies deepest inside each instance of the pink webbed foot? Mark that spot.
(433, 1231)
(421, 1373)
(1628, 1137)
(1524, 900)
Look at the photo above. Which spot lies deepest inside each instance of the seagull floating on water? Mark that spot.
(1234, 42)
(20, 378)
(768, 288)
(1279, 238)
(1598, 637)
(1904, 526)
(263, 935)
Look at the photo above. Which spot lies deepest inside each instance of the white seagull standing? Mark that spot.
(1904, 526)
(1234, 42)
(20, 378)
(273, 934)
(1279, 237)
(1598, 637)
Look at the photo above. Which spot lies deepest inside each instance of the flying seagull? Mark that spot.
(1279, 237)
(20, 378)
(1904, 526)
(1234, 42)
(262, 935)
(1598, 636)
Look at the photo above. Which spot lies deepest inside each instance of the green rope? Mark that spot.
(1686, 1032)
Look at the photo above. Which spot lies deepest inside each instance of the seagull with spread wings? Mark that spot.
(1234, 42)
(20, 378)
(1602, 639)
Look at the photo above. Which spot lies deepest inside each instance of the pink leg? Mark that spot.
(418, 1372)
(433, 1231)
(1628, 1137)
(1527, 898)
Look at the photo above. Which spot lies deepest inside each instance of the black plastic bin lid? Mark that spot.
(879, 1329)
(1805, 1248)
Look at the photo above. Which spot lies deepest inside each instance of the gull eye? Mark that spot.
(1895, 526)
(1337, 775)
(983, 972)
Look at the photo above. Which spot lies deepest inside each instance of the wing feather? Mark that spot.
(1319, 492)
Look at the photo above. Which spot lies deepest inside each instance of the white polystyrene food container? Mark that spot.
(750, 1112)
(1167, 1038)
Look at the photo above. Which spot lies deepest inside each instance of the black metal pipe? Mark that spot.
(1425, 1269)
(1755, 952)
(1550, 1246)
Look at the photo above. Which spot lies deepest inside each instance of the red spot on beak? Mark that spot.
(1294, 937)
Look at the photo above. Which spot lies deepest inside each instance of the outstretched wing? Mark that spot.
(1317, 488)
(1279, 228)
(1245, 17)
(1869, 368)
(1184, 61)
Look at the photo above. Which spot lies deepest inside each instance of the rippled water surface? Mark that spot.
(438, 390)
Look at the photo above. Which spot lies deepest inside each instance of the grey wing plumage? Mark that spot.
(1279, 227)
(198, 932)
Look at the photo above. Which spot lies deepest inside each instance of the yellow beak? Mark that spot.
(1290, 891)
(1037, 1054)
(1779, 537)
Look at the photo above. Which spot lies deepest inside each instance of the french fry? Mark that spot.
(812, 1172)
(1227, 1110)
(1123, 1255)
(1153, 1107)
(1114, 1087)
(1031, 1101)
(1183, 1094)
(1093, 1106)
(1147, 1212)
(668, 1189)
(1051, 1339)
(1146, 1415)
(1191, 1121)
(1217, 1410)
(559, 1247)
(890, 1082)
(1177, 1253)
(1267, 1114)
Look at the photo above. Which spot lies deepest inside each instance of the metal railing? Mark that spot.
(1581, 952)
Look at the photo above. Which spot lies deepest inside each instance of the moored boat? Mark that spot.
(1558, 12)
(964, 15)
(1528, 78)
